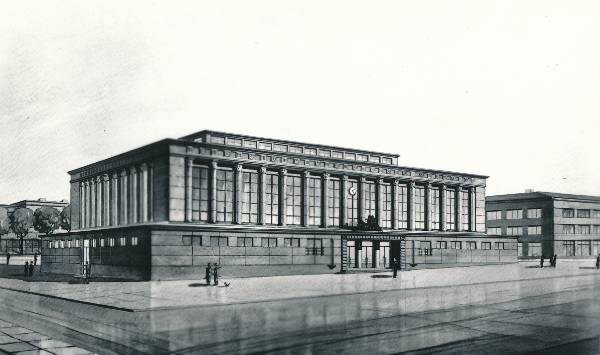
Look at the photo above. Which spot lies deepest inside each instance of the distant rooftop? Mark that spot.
(541, 195)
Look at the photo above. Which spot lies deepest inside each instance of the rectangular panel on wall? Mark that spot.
(480, 209)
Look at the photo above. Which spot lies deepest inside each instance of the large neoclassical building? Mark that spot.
(260, 206)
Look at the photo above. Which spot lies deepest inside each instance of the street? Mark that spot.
(554, 311)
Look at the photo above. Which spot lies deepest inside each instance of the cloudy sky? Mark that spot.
(509, 89)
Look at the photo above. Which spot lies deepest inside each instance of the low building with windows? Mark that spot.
(547, 223)
(260, 206)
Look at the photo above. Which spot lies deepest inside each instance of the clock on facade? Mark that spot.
(352, 190)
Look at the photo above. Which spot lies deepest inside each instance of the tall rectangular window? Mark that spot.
(568, 213)
(402, 206)
(333, 203)
(314, 201)
(567, 229)
(419, 207)
(386, 205)
(583, 214)
(514, 230)
(249, 197)
(352, 202)
(369, 199)
(534, 230)
(271, 199)
(200, 194)
(464, 216)
(268, 242)
(480, 209)
(583, 229)
(224, 196)
(494, 215)
(435, 208)
(293, 193)
(494, 231)
(450, 209)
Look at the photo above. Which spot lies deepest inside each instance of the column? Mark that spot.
(458, 209)
(114, 199)
(133, 179)
(86, 198)
(151, 192)
(325, 199)
(443, 207)
(188, 189)
(472, 209)
(99, 202)
(411, 205)
(81, 205)
(124, 215)
(105, 200)
(379, 208)
(361, 199)
(343, 202)
(213, 191)
(305, 209)
(237, 198)
(395, 212)
(144, 192)
(262, 174)
(282, 196)
(93, 202)
(428, 206)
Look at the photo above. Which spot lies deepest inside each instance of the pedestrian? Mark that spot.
(208, 273)
(35, 259)
(88, 271)
(598, 262)
(216, 274)
(395, 267)
(7, 258)
(31, 269)
(555, 256)
(26, 271)
(542, 261)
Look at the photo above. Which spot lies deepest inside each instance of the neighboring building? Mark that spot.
(547, 223)
(10, 243)
(261, 206)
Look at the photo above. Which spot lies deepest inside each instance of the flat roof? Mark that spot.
(541, 195)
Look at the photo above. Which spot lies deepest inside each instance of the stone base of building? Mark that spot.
(172, 252)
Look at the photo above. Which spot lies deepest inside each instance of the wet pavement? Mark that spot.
(515, 308)
(18, 340)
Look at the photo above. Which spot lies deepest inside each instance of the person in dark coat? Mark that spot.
(395, 267)
(598, 262)
(208, 273)
(26, 271)
(216, 274)
(35, 259)
(554, 261)
(88, 270)
(542, 262)
(7, 258)
(31, 269)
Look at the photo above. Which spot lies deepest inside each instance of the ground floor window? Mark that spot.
(291, 242)
(314, 247)
(219, 241)
(442, 245)
(486, 245)
(455, 245)
(268, 242)
(471, 245)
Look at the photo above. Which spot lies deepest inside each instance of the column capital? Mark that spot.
(124, 172)
(283, 171)
(143, 167)
(345, 177)
(105, 177)
(428, 185)
(133, 169)
(238, 167)
(379, 181)
(214, 164)
(395, 182)
(326, 176)
(411, 183)
(262, 169)
(363, 179)
(98, 178)
(85, 183)
(306, 173)
(443, 187)
(115, 175)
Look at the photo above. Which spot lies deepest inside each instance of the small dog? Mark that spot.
(226, 284)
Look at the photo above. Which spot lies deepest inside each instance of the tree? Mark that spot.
(4, 221)
(46, 220)
(65, 218)
(21, 222)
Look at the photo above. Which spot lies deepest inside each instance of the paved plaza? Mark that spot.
(514, 308)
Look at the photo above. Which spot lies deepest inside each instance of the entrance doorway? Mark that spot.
(85, 257)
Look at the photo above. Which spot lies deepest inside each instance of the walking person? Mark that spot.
(542, 261)
(208, 273)
(7, 258)
(598, 262)
(554, 263)
(31, 269)
(26, 271)
(395, 267)
(35, 259)
(216, 274)
(88, 271)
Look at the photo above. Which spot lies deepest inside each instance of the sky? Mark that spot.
(509, 89)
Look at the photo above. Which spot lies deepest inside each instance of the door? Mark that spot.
(85, 255)
(384, 255)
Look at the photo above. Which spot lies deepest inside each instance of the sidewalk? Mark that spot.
(139, 296)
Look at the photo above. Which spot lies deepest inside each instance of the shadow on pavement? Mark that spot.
(381, 276)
